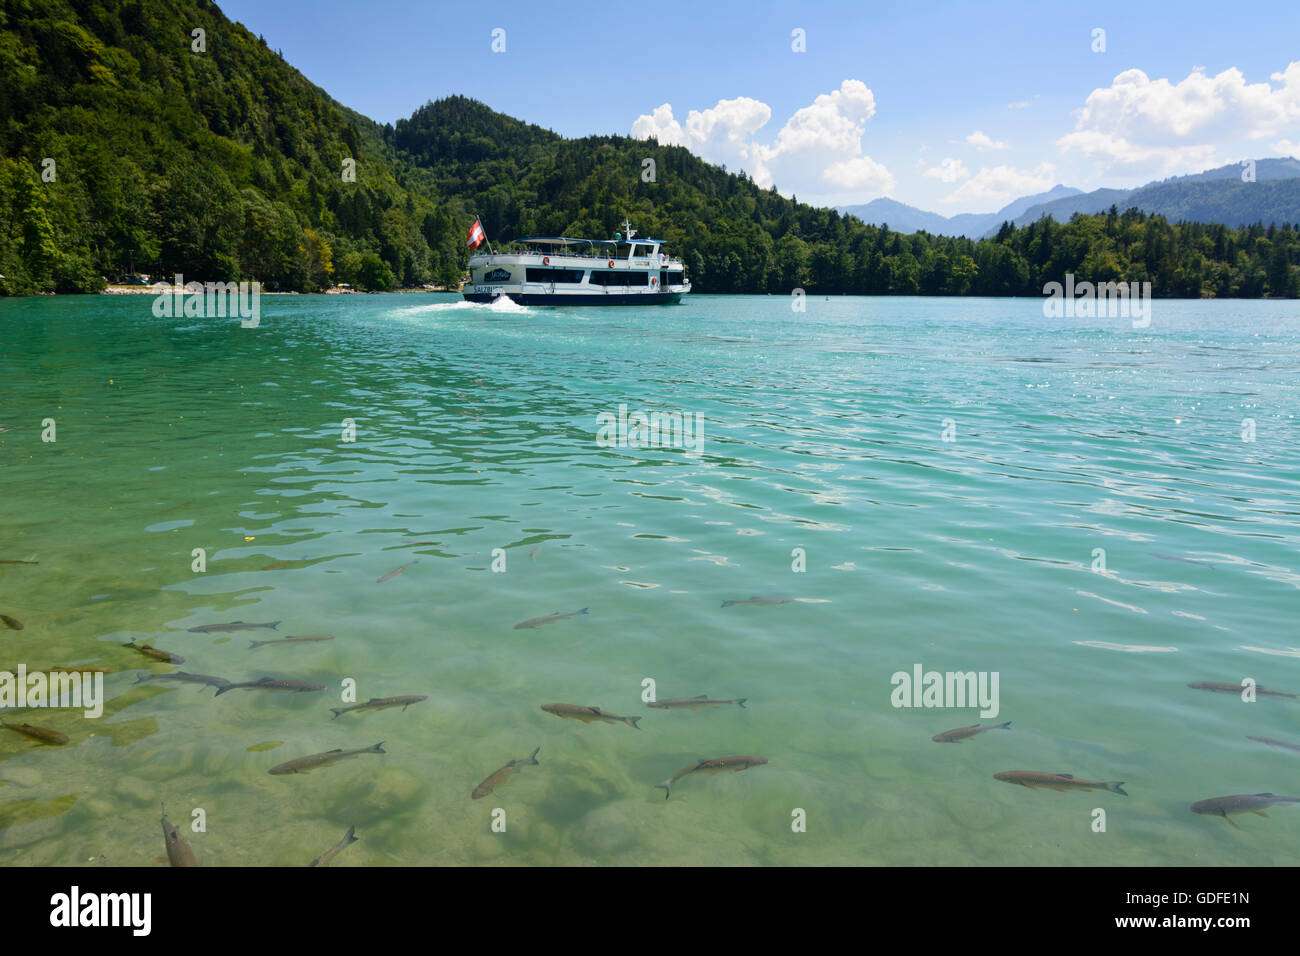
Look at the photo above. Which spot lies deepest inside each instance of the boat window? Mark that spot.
(554, 275)
(620, 278)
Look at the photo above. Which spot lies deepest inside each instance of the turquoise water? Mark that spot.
(476, 428)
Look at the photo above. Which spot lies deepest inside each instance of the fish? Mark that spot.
(13, 622)
(714, 765)
(271, 683)
(502, 776)
(694, 703)
(43, 734)
(961, 733)
(217, 682)
(178, 851)
(1276, 743)
(165, 656)
(1057, 781)
(760, 600)
(231, 626)
(395, 572)
(380, 703)
(1174, 557)
(588, 714)
(293, 640)
(349, 838)
(282, 564)
(532, 555)
(315, 761)
(421, 542)
(1223, 688)
(16, 561)
(547, 619)
(1240, 803)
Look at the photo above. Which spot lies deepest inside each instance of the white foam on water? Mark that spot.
(503, 304)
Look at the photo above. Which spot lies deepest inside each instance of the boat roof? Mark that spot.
(564, 241)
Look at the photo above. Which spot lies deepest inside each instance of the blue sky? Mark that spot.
(954, 107)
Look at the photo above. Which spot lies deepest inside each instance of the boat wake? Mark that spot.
(502, 305)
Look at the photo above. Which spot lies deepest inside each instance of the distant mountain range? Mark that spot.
(1216, 195)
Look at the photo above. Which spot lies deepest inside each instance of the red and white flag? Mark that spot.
(476, 235)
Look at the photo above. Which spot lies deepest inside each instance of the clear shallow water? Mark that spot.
(476, 428)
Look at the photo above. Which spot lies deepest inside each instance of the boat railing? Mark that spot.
(663, 259)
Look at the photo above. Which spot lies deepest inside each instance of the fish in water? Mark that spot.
(381, 703)
(293, 640)
(1223, 688)
(231, 626)
(715, 765)
(13, 622)
(178, 851)
(1174, 557)
(1057, 781)
(282, 564)
(315, 761)
(532, 555)
(961, 733)
(588, 714)
(695, 703)
(1276, 743)
(395, 572)
(1240, 803)
(349, 838)
(208, 680)
(271, 683)
(165, 656)
(43, 734)
(502, 776)
(16, 561)
(760, 600)
(547, 619)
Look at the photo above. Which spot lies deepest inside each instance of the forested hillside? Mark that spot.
(228, 164)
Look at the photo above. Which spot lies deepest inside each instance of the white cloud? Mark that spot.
(1154, 126)
(1020, 105)
(817, 151)
(1285, 147)
(1001, 183)
(949, 170)
(981, 140)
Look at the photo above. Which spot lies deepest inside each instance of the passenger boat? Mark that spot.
(556, 270)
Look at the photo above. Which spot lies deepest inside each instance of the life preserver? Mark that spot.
(611, 263)
(546, 260)
(653, 281)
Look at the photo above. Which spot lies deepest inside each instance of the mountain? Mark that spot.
(1216, 195)
(909, 219)
(125, 149)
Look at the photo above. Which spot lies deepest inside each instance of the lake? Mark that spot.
(1095, 514)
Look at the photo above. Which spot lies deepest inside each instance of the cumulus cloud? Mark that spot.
(1001, 183)
(1019, 105)
(981, 140)
(948, 171)
(1284, 147)
(817, 150)
(1142, 125)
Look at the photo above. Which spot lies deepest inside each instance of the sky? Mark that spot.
(954, 107)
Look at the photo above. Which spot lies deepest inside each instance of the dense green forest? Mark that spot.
(226, 163)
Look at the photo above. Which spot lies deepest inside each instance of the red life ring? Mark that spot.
(611, 263)
(654, 281)
(546, 260)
